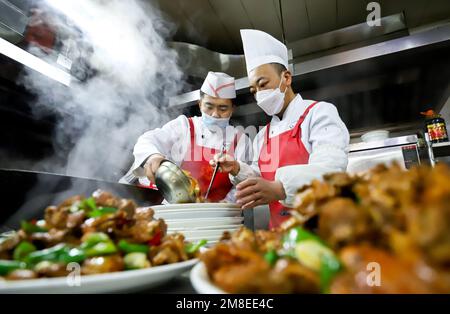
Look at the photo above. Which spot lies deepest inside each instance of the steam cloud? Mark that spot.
(126, 77)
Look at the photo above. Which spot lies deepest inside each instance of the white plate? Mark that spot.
(219, 227)
(201, 222)
(175, 210)
(126, 281)
(209, 239)
(201, 282)
(198, 214)
(207, 234)
(195, 206)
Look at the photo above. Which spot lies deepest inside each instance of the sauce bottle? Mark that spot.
(435, 126)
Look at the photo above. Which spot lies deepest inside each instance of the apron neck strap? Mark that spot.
(295, 130)
(192, 132)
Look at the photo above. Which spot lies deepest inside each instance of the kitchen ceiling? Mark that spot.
(215, 24)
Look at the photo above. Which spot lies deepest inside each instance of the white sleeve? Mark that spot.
(329, 139)
(169, 141)
(231, 196)
(243, 154)
(249, 168)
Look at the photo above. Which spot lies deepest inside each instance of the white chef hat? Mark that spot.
(220, 85)
(261, 48)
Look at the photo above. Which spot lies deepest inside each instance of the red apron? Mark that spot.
(197, 163)
(282, 150)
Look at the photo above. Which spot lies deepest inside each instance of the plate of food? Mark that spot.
(385, 232)
(97, 244)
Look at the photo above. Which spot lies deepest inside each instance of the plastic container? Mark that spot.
(377, 135)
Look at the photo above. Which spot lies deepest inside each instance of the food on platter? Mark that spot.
(102, 233)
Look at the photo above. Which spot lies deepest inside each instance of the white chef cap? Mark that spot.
(220, 85)
(261, 48)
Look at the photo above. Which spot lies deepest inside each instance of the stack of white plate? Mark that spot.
(199, 221)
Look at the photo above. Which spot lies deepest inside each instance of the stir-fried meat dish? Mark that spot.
(102, 233)
(247, 263)
(387, 231)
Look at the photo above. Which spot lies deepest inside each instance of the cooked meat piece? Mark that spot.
(170, 251)
(299, 278)
(144, 230)
(144, 213)
(429, 224)
(268, 240)
(61, 217)
(128, 207)
(260, 240)
(56, 217)
(342, 222)
(395, 275)
(71, 200)
(307, 198)
(50, 238)
(222, 254)
(105, 223)
(49, 269)
(105, 199)
(9, 240)
(236, 270)
(102, 264)
(339, 179)
(226, 236)
(244, 238)
(21, 274)
(165, 255)
(429, 230)
(138, 228)
(249, 277)
(76, 219)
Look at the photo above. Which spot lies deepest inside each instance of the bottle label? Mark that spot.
(437, 131)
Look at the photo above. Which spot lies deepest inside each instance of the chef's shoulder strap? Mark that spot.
(295, 130)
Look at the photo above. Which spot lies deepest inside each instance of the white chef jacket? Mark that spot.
(324, 136)
(173, 140)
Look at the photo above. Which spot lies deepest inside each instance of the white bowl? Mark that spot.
(377, 135)
(201, 282)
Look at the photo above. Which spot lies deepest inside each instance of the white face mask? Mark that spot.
(211, 122)
(271, 100)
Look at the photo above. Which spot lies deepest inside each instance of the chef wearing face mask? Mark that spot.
(192, 142)
(304, 140)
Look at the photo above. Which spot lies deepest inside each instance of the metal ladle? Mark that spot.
(174, 184)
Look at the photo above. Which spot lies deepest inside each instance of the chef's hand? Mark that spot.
(151, 165)
(227, 164)
(258, 191)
